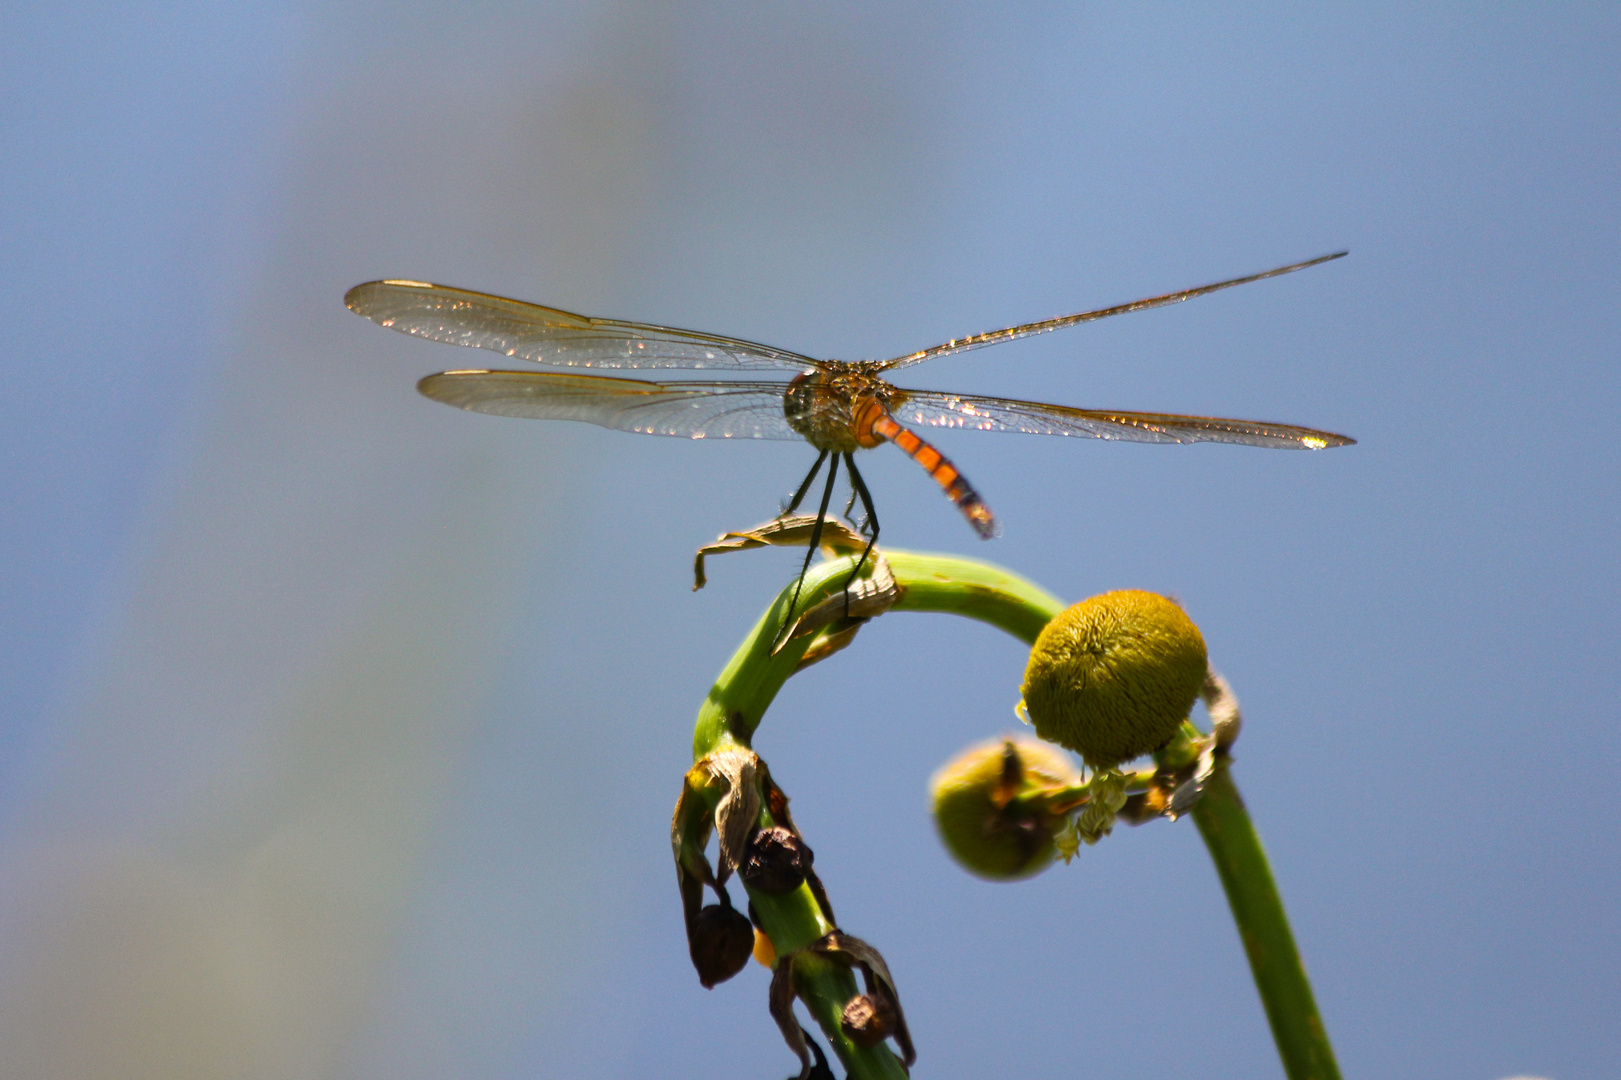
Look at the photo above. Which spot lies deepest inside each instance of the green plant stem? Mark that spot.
(1241, 862)
(825, 986)
(941, 583)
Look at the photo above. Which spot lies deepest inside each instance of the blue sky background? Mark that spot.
(339, 730)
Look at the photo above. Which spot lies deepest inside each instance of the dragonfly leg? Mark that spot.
(858, 486)
(799, 496)
(815, 537)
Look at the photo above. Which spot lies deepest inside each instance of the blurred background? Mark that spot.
(339, 730)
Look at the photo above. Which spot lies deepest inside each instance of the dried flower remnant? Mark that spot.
(777, 861)
(719, 938)
(868, 1020)
(874, 1016)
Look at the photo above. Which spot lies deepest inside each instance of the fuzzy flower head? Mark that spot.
(1113, 677)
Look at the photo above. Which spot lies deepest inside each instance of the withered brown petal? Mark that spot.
(739, 808)
(879, 981)
(821, 1070)
(1225, 717)
(1191, 790)
(1012, 775)
(828, 644)
(692, 896)
(865, 599)
(781, 1000)
(795, 531)
(690, 825)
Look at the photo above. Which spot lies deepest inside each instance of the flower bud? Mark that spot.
(989, 809)
(1113, 677)
(720, 941)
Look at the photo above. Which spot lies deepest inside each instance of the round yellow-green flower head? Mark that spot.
(990, 809)
(1113, 677)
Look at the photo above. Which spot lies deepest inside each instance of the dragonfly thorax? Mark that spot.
(835, 407)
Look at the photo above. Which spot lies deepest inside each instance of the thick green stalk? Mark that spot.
(1241, 862)
(745, 689)
(973, 589)
(734, 708)
(940, 583)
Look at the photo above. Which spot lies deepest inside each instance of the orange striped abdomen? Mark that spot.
(873, 420)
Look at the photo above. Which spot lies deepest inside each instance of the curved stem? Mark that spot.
(942, 583)
(973, 589)
(1235, 848)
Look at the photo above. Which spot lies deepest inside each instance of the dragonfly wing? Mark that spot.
(693, 410)
(548, 336)
(927, 408)
(1013, 333)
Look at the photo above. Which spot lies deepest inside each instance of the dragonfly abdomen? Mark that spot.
(938, 466)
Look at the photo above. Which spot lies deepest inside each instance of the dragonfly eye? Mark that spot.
(799, 399)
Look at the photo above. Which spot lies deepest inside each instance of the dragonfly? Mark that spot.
(837, 406)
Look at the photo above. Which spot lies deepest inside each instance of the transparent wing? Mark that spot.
(548, 336)
(927, 408)
(1012, 333)
(693, 410)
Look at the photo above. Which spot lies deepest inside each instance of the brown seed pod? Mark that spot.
(720, 942)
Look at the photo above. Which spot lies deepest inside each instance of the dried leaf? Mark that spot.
(826, 645)
(837, 538)
(1191, 790)
(819, 1071)
(781, 1000)
(690, 824)
(1225, 719)
(739, 808)
(866, 598)
(852, 950)
(689, 834)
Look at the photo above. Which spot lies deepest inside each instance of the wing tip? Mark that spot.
(1318, 261)
(355, 299)
(357, 295)
(440, 379)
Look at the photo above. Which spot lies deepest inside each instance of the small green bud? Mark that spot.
(990, 810)
(1113, 677)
